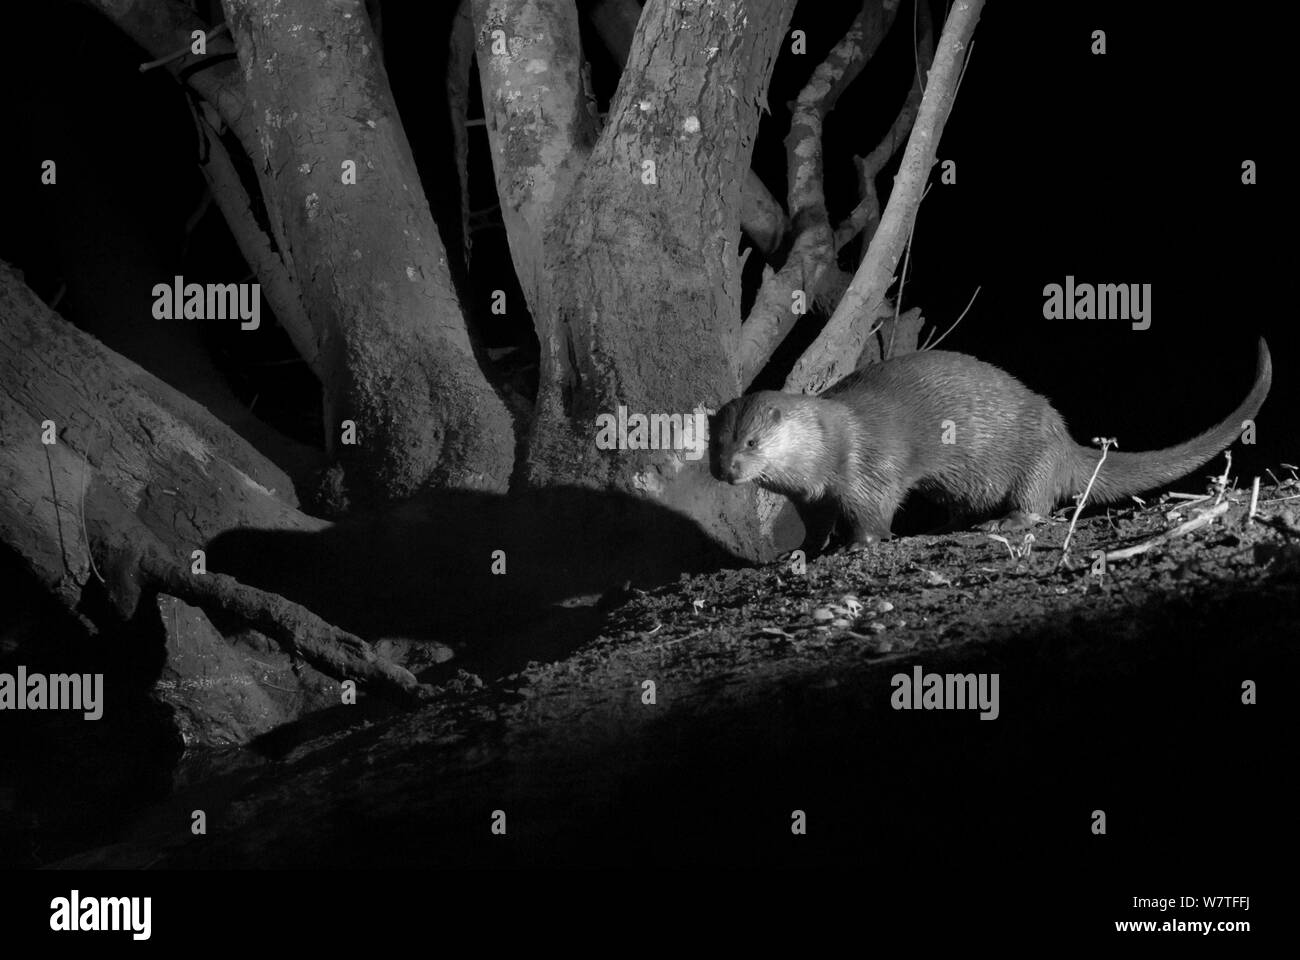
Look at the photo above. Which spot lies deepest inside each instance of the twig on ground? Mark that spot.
(1265, 503)
(1222, 481)
(1194, 524)
(1106, 444)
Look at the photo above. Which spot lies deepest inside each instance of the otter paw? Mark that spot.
(866, 541)
(1015, 520)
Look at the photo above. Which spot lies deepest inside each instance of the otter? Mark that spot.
(946, 425)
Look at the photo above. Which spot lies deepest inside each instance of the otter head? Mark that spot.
(748, 437)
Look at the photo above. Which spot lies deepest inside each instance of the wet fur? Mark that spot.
(851, 454)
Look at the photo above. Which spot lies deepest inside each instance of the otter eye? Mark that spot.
(752, 442)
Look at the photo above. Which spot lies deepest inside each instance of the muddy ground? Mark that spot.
(1120, 692)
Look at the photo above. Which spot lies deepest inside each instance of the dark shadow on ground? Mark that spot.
(424, 571)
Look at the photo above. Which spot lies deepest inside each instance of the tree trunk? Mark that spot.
(761, 217)
(395, 355)
(644, 307)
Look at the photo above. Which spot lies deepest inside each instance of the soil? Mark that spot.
(1119, 692)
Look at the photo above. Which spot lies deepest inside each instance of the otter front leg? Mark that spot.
(958, 521)
(818, 519)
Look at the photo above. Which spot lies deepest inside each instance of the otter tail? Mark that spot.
(1124, 473)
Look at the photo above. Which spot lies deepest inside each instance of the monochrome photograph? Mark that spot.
(847, 442)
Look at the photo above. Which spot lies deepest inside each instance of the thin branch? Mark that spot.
(930, 346)
(159, 28)
(185, 50)
(1106, 444)
(865, 217)
(840, 341)
(812, 252)
(279, 285)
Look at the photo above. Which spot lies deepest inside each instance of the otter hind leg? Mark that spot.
(1014, 520)
(1030, 501)
(869, 521)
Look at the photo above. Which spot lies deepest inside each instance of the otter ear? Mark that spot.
(774, 414)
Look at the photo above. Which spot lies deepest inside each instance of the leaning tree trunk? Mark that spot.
(395, 355)
(355, 272)
(114, 481)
